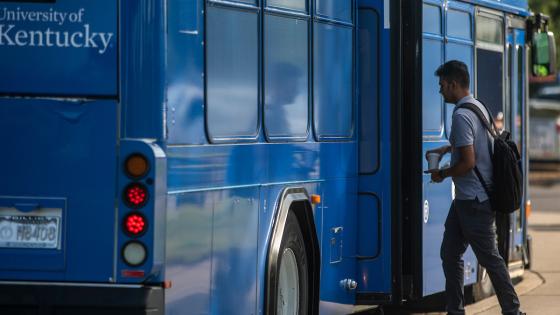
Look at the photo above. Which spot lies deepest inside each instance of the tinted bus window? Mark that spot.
(232, 73)
(251, 2)
(459, 24)
(489, 30)
(369, 91)
(286, 77)
(298, 5)
(432, 57)
(335, 9)
(332, 88)
(490, 79)
(431, 19)
(464, 53)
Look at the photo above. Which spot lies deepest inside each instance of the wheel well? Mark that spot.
(304, 214)
(295, 200)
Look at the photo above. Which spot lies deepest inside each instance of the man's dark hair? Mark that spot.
(454, 70)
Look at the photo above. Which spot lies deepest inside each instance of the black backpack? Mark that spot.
(507, 194)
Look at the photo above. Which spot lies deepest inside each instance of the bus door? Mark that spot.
(447, 34)
(58, 129)
(374, 250)
(516, 85)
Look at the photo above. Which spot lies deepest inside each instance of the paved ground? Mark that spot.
(544, 226)
(539, 290)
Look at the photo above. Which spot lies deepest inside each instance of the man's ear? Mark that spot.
(453, 84)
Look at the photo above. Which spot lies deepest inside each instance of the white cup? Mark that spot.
(433, 161)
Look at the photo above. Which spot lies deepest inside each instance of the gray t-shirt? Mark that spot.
(466, 129)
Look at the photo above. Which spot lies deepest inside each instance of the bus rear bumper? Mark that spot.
(24, 298)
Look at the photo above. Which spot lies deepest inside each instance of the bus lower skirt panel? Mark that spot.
(24, 299)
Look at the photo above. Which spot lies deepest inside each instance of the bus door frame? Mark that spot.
(515, 40)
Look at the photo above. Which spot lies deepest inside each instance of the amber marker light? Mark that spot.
(136, 166)
(528, 209)
(315, 199)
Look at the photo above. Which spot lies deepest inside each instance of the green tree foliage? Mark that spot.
(552, 9)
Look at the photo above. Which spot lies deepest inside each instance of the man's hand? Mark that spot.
(441, 151)
(436, 176)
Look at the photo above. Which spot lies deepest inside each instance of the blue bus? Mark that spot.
(240, 156)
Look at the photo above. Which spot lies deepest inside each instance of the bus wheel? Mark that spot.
(292, 293)
(483, 288)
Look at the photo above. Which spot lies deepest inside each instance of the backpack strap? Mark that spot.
(492, 132)
(490, 126)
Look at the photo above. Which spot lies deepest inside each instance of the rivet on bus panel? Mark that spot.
(315, 199)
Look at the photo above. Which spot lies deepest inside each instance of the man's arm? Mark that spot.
(465, 164)
(441, 151)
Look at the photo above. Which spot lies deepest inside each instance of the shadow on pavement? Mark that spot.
(429, 304)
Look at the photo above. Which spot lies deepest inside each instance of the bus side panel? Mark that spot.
(142, 69)
(201, 167)
(185, 66)
(211, 251)
(338, 241)
(189, 252)
(61, 150)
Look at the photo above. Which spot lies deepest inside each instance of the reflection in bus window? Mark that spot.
(332, 87)
(286, 77)
(232, 70)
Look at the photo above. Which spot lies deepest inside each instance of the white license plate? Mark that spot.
(29, 231)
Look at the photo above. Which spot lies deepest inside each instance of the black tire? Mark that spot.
(292, 238)
(528, 252)
(483, 288)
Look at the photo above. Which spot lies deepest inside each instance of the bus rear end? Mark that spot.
(77, 203)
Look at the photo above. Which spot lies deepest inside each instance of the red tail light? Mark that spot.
(135, 195)
(135, 224)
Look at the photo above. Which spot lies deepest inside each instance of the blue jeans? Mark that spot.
(470, 222)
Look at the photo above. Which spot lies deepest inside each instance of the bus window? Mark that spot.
(431, 19)
(490, 77)
(510, 98)
(297, 5)
(251, 2)
(340, 10)
(286, 77)
(489, 30)
(459, 24)
(490, 62)
(464, 53)
(332, 86)
(432, 101)
(459, 47)
(369, 92)
(519, 125)
(232, 74)
(432, 58)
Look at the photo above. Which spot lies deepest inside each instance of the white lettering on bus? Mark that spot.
(9, 36)
(50, 16)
